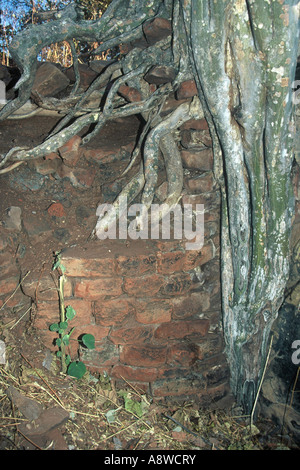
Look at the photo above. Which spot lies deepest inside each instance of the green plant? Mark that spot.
(74, 368)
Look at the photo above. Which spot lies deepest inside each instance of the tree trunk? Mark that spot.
(244, 56)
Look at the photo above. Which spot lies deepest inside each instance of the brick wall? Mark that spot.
(155, 322)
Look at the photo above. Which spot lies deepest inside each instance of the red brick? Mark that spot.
(56, 210)
(138, 286)
(196, 258)
(169, 263)
(70, 152)
(48, 312)
(178, 387)
(187, 89)
(197, 124)
(157, 29)
(44, 288)
(195, 303)
(183, 354)
(7, 286)
(203, 184)
(113, 311)
(81, 267)
(201, 160)
(95, 289)
(153, 311)
(143, 356)
(135, 265)
(177, 284)
(129, 93)
(181, 329)
(99, 332)
(131, 335)
(135, 374)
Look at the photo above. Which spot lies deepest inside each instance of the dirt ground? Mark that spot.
(90, 414)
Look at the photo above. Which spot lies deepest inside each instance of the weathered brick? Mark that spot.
(129, 93)
(157, 29)
(153, 311)
(135, 265)
(194, 304)
(113, 311)
(169, 263)
(86, 267)
(177, 284)
(70, 152)
(132, 334)
(44, 288)
(95, 289)
(198, 160)
(143, 356)
(7, 286)
(148, 284)
(135, 374)
(181, 329)
(198, 124)
(178, 387)
(196, 258)
(187, 89)
(105, 354)
(203, 184)
(182, 354)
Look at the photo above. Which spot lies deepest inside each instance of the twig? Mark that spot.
(7, 300)
(260, 383)
(55, 394)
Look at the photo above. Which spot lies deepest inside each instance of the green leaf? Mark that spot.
(63, 325)
(89, 341)
(66, 340)
(70, 312)
(67, 359)
(77, 369)
(58, 342)
(59, 353)
(54, 327)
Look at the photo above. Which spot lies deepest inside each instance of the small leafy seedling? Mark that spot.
(76, 368)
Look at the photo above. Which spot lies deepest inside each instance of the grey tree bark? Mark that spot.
(242, 55)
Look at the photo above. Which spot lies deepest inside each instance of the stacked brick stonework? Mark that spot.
(154, 310)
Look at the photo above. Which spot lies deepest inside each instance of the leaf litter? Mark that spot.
(41, 408)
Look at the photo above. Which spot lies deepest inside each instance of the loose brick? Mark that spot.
(135, 374)
(56, 210)
(70, 152)
(157, 29)
(113, 311)
(181, 329)
(153, 311)
(129, 93)
(149, 285)
(143, 356)
(95, 289)
(187, 89)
